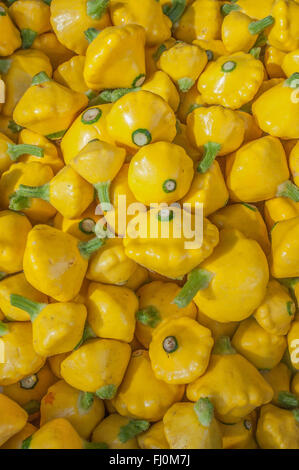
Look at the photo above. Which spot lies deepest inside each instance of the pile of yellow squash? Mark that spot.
(136, 342)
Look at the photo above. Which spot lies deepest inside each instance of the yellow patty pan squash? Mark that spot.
(189, 426)
(284, 33)
(18, 71)
(56, 434)
(98, 366)
(170, 256)
(279, 378)
(70, 20)
(239, 32)
(149, 14)
(102, 70)
(161, 84)
(20, 357)
(216, 124)
(277, 429)
(255, 172)
(16, 441)
(31, 174)
(202, 19)
(188, 102)
(180, 350)
(61, 258)
(98, 163)
(160, 172)
(231, 81)
(89, 125)
(56, 328)
(13, 418)
(183, 63)
(140, 118)
(284, 248)
(280, 100)
(290, 63)
(82, 409)
(232, 383)
(32, 17)
(273, 61)
(156, 304)
(10, 37)
(111, 311)
(5, 158)
(82, 227)
(118, 432)
(17, 284)
(70, 74)
(240, 435)
(49, 45)
(12, 245)
(29, 391)
(279, 209)
(47, 107)
(154, 438)
(256, 9)
(51, 154)
(247, 219)
(110, 265)
(67, 192)
(293, 343)
(277, 310)
(141, 395)
(294, 163)
(264, 350)
(240, 276)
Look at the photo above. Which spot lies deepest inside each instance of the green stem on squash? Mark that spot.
(16, 150)
(256, 27)
(40, 192)
(86, 400)
(89, 247)
(91, 34)
(3, 328)
(88, 333)
(96, 8)
(223, 346)
(28, 36)
(149, 316)
(132, 429)
(39, 78)
(288, 189)
(31, 307)
(5, 65)
(229, 7)
(211, 150)
(293, 80)
(175, 11)
(107, 392)
(19, 203)
(288, 400)
(102, 190)
(198, 279)
(204, 410)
